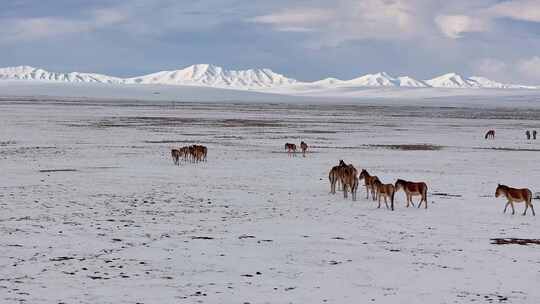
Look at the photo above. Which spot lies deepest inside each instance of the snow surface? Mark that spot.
(94, 211)
(312, 94)
(208, 75)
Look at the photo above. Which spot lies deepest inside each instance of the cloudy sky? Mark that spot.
(303, 39)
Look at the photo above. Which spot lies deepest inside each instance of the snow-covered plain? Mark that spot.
(94, 211)
(22, 90)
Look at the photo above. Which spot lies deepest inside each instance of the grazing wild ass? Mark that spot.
(490, 134)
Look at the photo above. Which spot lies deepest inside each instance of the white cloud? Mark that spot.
(33, 28)
(348, 20)
(479, 19)
(108, 16)
(530, 68)
(296, 19)
(490, 67)
(525, 10)
(525, 70)
(454, 26)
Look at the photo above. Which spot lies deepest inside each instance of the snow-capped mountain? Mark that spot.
(384, 80)
(482, 82)
(215, 76)
(328, 82)
(453, 80)
(450, 80)
(254, 79)
(31, 73)
(198, 75)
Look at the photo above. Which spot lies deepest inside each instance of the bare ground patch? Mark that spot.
(7, 143)
(409, 147)
(402, 147)
(516, 241)
(509, 149)
(58, 170)
(157, 121)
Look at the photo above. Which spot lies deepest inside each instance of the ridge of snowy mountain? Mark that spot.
(214, 76)
(31, 73)
(383, 79)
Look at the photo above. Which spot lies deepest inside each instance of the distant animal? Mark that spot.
(490, 134)
(184, 153)
(175, 154)
(413, 189)
(198, 153)
(534, 134)
(202, 151)
(335, 176)
(368, 182)
(193, 153)
(517, 196)
(291, 149)
(304, 148)
(528, 134)
(387, 191)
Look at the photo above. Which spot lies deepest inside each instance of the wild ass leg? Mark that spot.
(512, 205)
(409, 196)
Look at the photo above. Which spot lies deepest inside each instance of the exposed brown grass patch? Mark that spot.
(409, 147)
(516, 241)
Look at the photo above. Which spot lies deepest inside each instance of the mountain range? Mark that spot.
(254, 79)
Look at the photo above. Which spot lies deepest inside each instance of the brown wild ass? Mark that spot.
(304, 148)
(368, 182)
(193, 153)
(335, 176)
(291, 149)
(385, 190)
(515, 195)
(175, 154)
(413, 189)
(349, 179)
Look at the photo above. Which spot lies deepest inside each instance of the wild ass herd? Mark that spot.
(291, 148)
(348, 177)
(193, 153)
